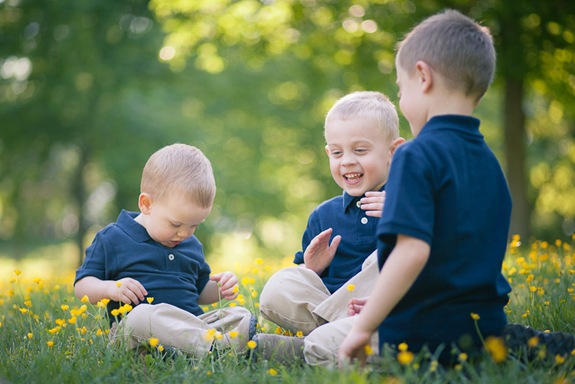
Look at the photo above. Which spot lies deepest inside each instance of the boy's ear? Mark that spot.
(395, 143)
(424, 75)
(327, 150)
(145, 203)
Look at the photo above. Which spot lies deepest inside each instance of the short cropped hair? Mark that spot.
(370, 105)
(179, 170)
(454, 45)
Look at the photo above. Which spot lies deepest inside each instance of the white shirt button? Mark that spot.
(364, 220)
(358, 204)
(171, 257)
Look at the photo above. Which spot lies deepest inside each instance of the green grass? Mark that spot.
(49, 336)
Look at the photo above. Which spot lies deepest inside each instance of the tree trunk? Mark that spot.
(514, 122)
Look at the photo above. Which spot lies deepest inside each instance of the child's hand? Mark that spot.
(353, 347)
(319, 253)
(355, 305)
(372, 203)
(226, 283)
(127, 291)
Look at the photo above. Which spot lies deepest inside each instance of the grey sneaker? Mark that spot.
(278, 348)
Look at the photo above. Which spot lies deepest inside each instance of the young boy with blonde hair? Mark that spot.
(443, 232)
(361, 132)
(153, 261)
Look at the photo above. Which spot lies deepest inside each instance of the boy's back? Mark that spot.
(459, 202)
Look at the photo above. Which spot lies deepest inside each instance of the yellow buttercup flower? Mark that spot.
(272, 372)
(368, 350)
(402, 347)
(496, 348)
(153, 341)
(149, 300)
(64, 307)
(118, 284)
(475, 316)
(50, 343)
(233, 334)
(533, 342)
(405, 357)
(30, 335)
(85, 299)
(350, 287)
(299, 334)
(252, 344)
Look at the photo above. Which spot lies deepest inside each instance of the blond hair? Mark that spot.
(179, 170)
(369, 105)
(455, 46)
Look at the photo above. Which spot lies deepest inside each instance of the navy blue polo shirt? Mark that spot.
(447, 188)
(344, 215)
(175, 276)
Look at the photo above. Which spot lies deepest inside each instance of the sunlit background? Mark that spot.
(88, 90)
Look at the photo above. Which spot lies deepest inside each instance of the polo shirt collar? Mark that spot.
(348, 200)
(126, 221)
(466, 125)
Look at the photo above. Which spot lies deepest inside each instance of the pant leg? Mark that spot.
(335, 307)
(235, 325)
(173, 326)
(290, 297)
(321, 347)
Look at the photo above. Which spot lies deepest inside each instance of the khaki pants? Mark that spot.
(179, 329)
(296, 299)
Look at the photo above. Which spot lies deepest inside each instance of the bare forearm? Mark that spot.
(398, 274)
(209, 294)
(94, 288)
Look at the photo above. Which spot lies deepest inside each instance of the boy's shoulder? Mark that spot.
(330, 204)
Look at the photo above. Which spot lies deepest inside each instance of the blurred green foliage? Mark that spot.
(88, 90)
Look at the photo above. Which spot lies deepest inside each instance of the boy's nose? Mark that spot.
(348, 159)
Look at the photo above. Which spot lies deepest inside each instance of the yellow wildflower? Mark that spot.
(272, 372)
(30, 335)
(50, 343)
(299, 334)
(118, 284)
(24, 310)
(85, 299)
(496, 348)
(405, 357)
(153, 341)
(559, 359)
(368, 350)
(402, 347)
(149, 300)
(350, 287)
(533, 342)
(64, 307)
(252, 344)
(475, 316)
(17, 272)
(233, 334)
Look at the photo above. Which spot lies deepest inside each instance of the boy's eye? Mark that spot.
(336, 153)
(360, 150)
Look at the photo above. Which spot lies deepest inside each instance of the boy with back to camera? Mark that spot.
(443, 233)
(154, 256)
(361, 132)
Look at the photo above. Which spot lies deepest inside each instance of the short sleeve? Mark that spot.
(409, 203)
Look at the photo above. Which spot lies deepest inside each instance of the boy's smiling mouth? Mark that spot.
(353, 177)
